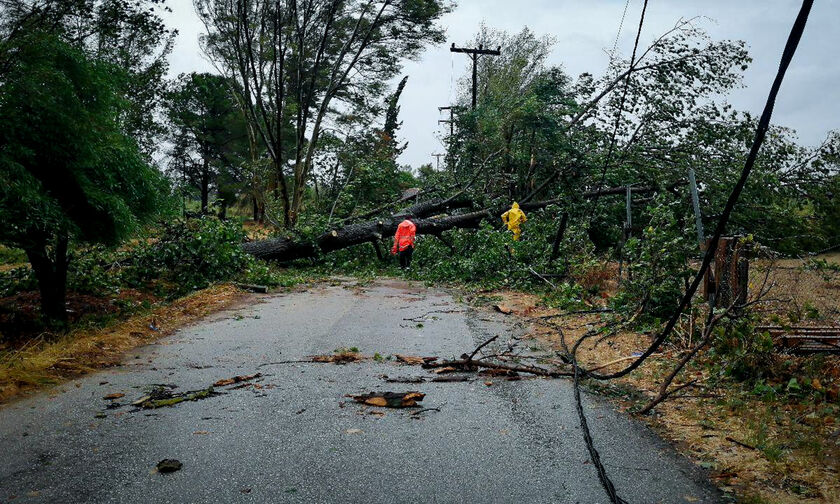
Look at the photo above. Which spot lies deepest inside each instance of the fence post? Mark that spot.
(729, 283)
(695, 202)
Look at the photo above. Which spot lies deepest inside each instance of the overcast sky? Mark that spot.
(809, 101)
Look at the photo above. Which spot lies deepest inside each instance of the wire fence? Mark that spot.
(799, 291)
(794, 291)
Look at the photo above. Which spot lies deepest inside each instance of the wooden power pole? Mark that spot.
(474, 54)
(450, 121)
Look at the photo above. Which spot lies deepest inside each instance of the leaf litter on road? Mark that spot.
(169, 465)
(390, 399)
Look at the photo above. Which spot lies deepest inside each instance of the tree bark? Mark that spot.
(287, 249)
(558, 238)
(52, 278)
(205, 188)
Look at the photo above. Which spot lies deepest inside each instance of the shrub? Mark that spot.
(657, 264)
(92, 270)
(16, 280)
(192, 254)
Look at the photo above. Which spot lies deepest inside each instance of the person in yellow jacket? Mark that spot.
(514, 218)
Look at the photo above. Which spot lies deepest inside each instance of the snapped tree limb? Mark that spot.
(289, 249)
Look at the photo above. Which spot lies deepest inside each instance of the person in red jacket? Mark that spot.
(404, 241)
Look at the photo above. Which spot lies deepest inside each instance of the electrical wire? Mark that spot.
(620, 27)
(761, 131)
(594, 456)
(763, 125)
(619, 114)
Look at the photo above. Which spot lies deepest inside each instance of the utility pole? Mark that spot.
(437, 157)
(474, 54)
(450, 121)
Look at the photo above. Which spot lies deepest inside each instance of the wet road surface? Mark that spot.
(298, 439)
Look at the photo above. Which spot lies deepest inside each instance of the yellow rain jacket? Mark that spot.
(514, 218)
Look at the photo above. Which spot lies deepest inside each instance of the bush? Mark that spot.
(657, 264)
(17, 280)
(92, 271)
(12, 255)
(173, 259)
(191, 254)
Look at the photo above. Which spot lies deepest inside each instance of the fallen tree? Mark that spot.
(289, 249)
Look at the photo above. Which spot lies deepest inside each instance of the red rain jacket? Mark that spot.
(404, 237)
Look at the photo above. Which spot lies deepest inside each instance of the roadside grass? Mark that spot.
(101, 338)
(52, 359)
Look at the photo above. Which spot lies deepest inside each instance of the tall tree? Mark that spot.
(68, 170)
(299, 61)
(130, 34)
(209, 137)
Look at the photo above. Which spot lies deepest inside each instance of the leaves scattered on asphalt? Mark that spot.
(390, 399)
(169, 465)
(414, 360)
(236, 379)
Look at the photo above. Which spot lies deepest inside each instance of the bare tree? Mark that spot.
(298, 62)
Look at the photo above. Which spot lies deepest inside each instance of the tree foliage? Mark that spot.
(301, 64)
(538, 133)
(129, 34)
(209, 136)
(68, 168)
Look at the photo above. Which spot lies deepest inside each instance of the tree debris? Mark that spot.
(169, 465)
(236, 379)
(416, 414)
(414, 360)
(339, 358)
(161, 397)
(404, 379)
(503, 309)
(498, 372)
(390, 399)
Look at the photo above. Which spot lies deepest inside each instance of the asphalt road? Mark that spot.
(297, 438)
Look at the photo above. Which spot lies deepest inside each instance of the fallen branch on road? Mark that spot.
(289, 249)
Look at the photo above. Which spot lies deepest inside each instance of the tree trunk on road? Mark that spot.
(287, 249)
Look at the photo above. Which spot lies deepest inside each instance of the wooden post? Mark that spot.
(474, 54)
(731, 273)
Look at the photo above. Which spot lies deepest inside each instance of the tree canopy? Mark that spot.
(209, 135)
(301, 64)
(68, 168)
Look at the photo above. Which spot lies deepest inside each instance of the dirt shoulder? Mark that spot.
(758, 449)
(44, 362)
